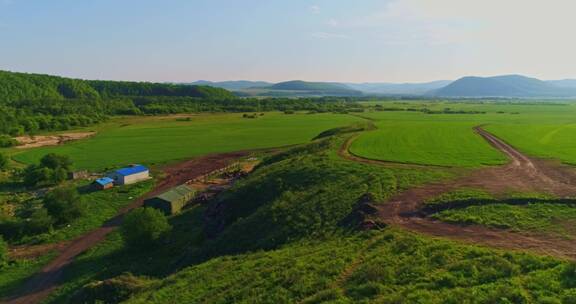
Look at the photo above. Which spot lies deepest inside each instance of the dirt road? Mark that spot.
(44, 282)
(521, 174)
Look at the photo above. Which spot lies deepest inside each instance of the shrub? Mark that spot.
(52, 170)
(3, 162)
(7, 141)
(55, 161)
(38, 222)
(3, 251)
(144, 226)
(113, 290)
(63, 204)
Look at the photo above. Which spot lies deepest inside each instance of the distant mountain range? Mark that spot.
(384, 88)
(305, 88)
(507, 86)
(514, 86)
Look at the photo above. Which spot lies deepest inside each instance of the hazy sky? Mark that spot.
(276, 40)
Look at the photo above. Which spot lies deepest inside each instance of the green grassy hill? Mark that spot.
(303, 88)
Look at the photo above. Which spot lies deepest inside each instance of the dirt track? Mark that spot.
(520, 174)
(43, 283)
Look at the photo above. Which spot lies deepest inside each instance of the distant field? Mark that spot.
(543, 129)
(426, 139)
(152, 140)
(545, 140)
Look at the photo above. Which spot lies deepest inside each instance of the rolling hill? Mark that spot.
(303, 88)
(503, 86)
(234, 85)
(23, 86)
(384, 88)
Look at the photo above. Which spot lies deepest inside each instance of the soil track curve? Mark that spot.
(521, 174)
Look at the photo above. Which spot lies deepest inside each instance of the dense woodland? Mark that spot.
(30, 103)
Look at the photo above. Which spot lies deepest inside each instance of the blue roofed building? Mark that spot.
(103, 183)
(130, 175)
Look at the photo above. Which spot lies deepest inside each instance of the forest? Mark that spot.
(30, 103)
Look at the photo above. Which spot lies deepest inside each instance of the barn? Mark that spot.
(103, 183)
(173, 200)
(130, 175)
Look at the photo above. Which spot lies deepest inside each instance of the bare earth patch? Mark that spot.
(28, 142)
(522, 174)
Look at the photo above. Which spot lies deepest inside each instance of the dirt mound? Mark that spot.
(28, 142)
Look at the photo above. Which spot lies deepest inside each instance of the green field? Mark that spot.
(544, 130)
(290, 229)
(401, 136)
(158, 140)
(444, 140)
(546, 140)
(286, 241)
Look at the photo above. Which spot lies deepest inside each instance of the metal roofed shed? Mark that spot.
(173, 200)
(103, 183)
(130, 175)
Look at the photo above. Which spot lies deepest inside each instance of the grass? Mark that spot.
(528, 212)
(154, 140)
(15, 273)
(283, 241)
(283, 235)
(370, 267)
(100, 206)
(546, 140)
(534, 217)
(539, 129)
(444, 143)
(462, 194)
(302, 194)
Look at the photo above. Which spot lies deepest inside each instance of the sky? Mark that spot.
(279, 40)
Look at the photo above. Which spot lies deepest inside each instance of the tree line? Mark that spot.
(30, 103)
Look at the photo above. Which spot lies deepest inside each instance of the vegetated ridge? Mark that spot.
(233, 85)
(23, 86)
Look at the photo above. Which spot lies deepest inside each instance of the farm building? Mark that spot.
(173, 200)
(103, 183)
(78, 175)
(130, 175)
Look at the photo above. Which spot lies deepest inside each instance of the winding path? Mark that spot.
(522, 173)
(43, 283)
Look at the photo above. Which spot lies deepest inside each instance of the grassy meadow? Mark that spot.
(288, 232)
(538, 129)
(154, 140)
(286, 226)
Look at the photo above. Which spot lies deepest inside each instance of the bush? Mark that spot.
(39, 222)
(3, 162)
(7, 141)
(55, 161)
(144, 226)
(63, 204)
(114, 290)
(52, 170)
(3, 251)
